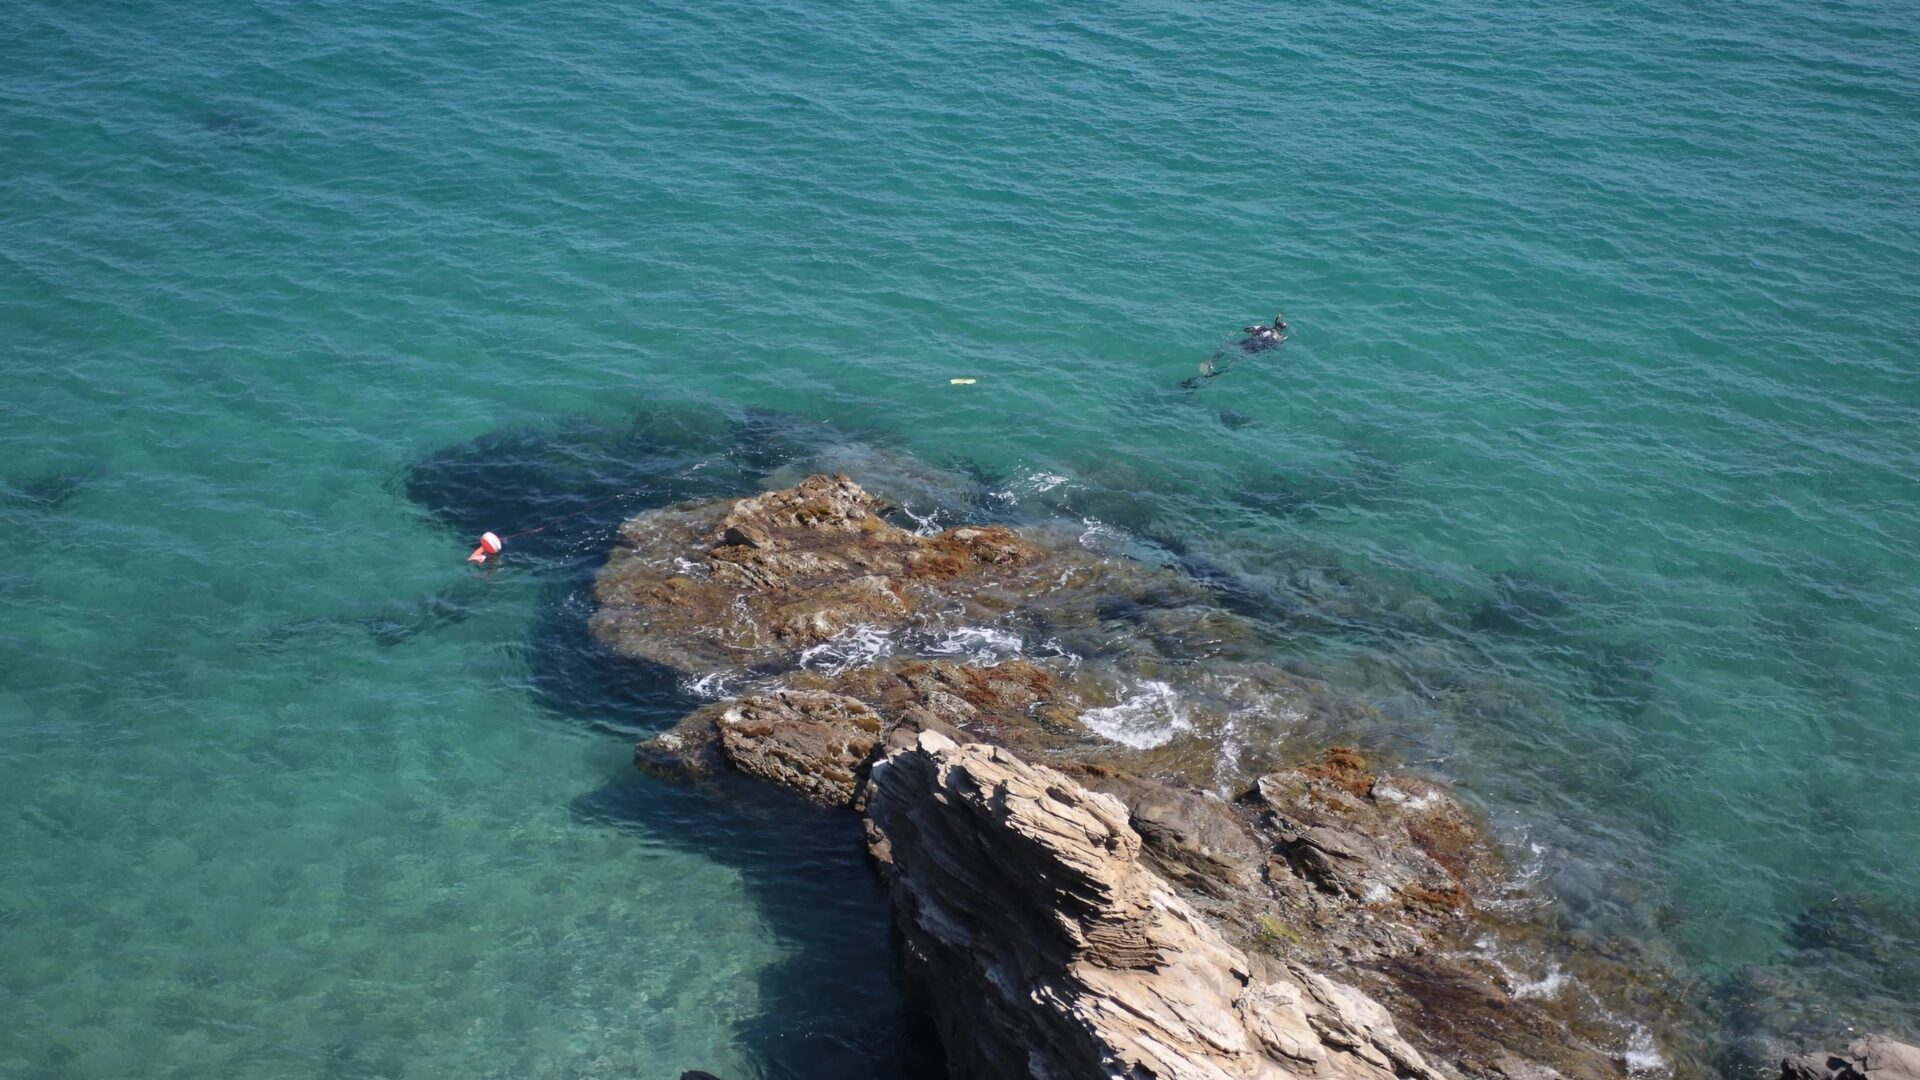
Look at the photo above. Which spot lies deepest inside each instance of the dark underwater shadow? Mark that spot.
(835, 1006)
(1618, 673)
(389, 624)
(45, 493)
(1357, 478)
(1524, 604)
(230, 125)
(558, 493)
(576, 679)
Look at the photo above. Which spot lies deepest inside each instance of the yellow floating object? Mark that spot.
(963, 382)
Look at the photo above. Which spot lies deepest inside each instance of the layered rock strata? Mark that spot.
(1024, 897)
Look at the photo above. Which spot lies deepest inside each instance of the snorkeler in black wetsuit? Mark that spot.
(1258, 339)
(1261, 338)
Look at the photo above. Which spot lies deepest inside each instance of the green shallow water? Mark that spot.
(1591, 464)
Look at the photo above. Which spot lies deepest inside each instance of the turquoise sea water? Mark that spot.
(1591, 464)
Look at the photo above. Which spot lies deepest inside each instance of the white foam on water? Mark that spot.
(1052, 648)
(923, 525)
(1641, 1057)
(1531, 869)
(1519, 891)
(1547, 986)
(1034, 483)
(981, 645)
(856, 646)
(1388, 792)
(739, 630)
(1096, 533)
(1232, 742)
(713, 686)
(1258, 719)
(1148, 717)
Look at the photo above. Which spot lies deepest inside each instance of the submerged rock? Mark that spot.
(1105, 971)
(44, 493)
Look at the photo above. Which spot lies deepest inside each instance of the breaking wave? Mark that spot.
(1148, 717)
(856, 646)
(981, 645)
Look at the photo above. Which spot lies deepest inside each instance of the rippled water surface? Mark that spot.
(1590, 465)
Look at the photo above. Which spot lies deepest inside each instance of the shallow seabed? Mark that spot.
(1590, 465)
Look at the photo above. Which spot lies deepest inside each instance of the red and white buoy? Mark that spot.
(489, 547)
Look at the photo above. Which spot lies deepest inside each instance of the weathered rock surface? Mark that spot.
(1190, 839)
(811, 741)
(1052, 951)
(1875, 1057)
(719, 584)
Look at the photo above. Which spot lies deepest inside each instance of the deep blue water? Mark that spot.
(1591, 465)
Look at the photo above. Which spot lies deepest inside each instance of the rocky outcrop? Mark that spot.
(1875, 1057)
(1081, 895)
(1052, 951)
